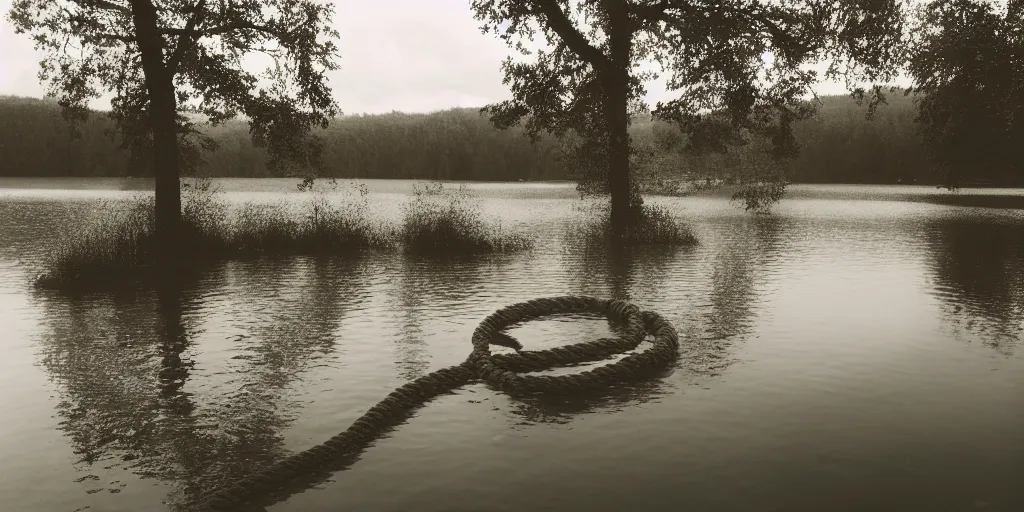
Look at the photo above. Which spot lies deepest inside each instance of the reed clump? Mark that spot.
(331, 219)
(440, 220)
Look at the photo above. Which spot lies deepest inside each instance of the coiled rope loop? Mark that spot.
(502, 371)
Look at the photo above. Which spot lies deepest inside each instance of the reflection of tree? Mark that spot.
(292, 308)
(132, 391)
(435, 288)
(619, 272)
(122, 360)
(710, 309)
(749, 246)
(746, 249)
(978, 274)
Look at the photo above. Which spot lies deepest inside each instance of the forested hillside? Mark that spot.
(839, 146)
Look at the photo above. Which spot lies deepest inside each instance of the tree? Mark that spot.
(163, 59)
(739, 66)
(968, 64)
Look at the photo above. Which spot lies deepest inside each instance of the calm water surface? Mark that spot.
(860, 349)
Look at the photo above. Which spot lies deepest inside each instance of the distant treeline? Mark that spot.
(839, 146)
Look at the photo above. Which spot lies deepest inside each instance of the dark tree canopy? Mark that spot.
(967, 60)
(93, 47)
(740, 68)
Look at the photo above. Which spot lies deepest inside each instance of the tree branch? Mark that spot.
(105, 5)
(186, 38)
(778, 33)
(651, 12)
(116, 37)
(218, 30)
(676, 14)
(559, 22)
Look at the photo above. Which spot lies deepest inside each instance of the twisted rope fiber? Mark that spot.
(498, 370)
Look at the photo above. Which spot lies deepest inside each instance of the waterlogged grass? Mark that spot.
(331, 219)
(447, 221)
(653, 226)
(117, 244)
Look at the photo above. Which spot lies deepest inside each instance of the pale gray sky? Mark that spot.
(406, 55)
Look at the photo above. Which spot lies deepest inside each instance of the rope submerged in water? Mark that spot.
(501, 371)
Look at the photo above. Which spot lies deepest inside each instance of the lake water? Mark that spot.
(859, 349)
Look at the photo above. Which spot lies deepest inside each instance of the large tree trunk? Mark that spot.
(615, 82)
(619, 179)
(162, 117)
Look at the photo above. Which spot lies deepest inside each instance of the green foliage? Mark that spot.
(968, 60)
(713, 54)
(444, 221)
(456, 144)
(839, 145)
(96, 46)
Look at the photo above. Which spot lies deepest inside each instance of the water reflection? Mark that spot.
(291, 308)
(617, 398)
(196, 385)
(977, 270)
(746, 253)
(622, 272)
(709, 292)
(173, 339)
(433, 291)
(121, 361)
(126, 365)
(744, 256)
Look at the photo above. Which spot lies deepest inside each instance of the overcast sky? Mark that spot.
(405, 55)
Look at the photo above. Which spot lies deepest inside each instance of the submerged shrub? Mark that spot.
(760, 196)
(261, 228)
(332, 219)
(337, 217)
(202, 215)
(119, 240)
(446, 221)
(651, 225)
(121, 243)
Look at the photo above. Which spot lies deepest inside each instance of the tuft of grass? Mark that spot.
(333, 219)
(651, 226)
(117, 243)
(202, 215)
(260, 228)
(446, 221)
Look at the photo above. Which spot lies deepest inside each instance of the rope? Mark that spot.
(501, 371)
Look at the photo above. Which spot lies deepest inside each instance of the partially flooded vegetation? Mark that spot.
(332, 218)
